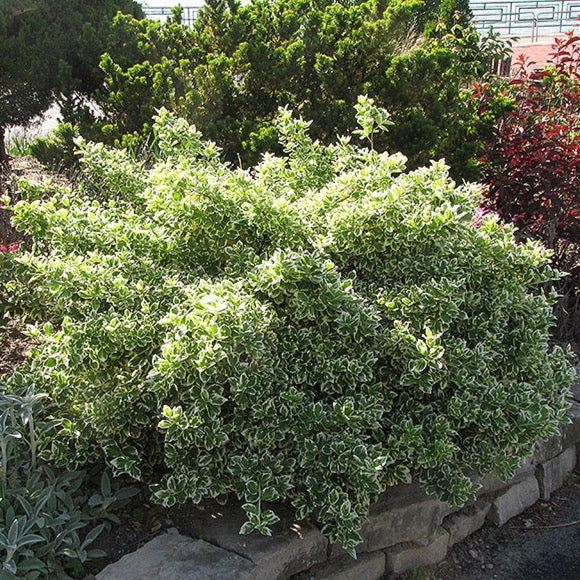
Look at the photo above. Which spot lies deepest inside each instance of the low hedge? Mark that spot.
(313, 330)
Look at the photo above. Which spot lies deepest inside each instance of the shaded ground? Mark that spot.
(13, 346)
(139, 523)
(543, 543)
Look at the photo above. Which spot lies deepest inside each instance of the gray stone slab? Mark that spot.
(514, 500)
(571, 431)
(546, 450)
(466, 522)
(552, 474)
(365, 567)
(176, 557)
(406, 557)
(292, 548)
(575, 389)
(403, 514)
(491, 484)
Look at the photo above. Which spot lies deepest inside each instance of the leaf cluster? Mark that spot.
(532, 162)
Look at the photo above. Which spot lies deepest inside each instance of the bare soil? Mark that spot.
(139, 522)
(14, 345)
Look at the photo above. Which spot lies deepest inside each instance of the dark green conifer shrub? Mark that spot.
(231, 72)
(50, 51)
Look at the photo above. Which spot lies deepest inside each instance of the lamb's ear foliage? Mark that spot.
(313, 331)
(44, 511)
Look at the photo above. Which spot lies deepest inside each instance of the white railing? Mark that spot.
(526, 20)
(188, 13)
(510, 18)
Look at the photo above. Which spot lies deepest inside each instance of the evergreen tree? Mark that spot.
(50, 48)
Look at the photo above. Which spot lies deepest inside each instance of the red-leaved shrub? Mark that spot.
(531, 163)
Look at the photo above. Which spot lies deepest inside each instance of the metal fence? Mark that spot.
(188, 13)
(526, 20)
(510, 18)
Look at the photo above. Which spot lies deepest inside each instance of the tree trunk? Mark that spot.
(3, 153)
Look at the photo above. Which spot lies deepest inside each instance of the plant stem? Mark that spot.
(4, 450)
(32, 441)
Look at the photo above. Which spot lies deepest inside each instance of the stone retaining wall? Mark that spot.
(406, 530)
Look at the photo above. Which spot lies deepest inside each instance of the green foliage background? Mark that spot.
(239, 63)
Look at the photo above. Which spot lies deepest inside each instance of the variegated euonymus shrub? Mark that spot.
(312, 330)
